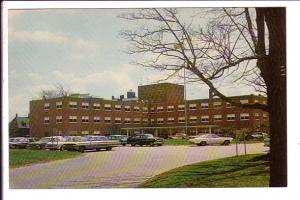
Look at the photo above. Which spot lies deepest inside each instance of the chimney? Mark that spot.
(112, 97)
(16, 115)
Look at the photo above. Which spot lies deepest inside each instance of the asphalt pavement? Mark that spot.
(123, 167)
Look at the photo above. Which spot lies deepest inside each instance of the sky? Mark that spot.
(80, 49)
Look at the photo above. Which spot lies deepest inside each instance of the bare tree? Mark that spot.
(59, 91)
(225, 48)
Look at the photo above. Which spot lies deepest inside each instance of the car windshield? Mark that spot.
(45, 139)
(210, 136)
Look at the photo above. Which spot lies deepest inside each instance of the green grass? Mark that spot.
(242, 171)
(176, 142)
(21, 157)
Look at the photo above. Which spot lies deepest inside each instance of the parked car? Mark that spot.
(145, 139)
(179, 136)
(20, 142)
(267, 142)
(256, 135)
(121, 138)
(59, 143)
(39, 144)
(91, 143)
(208, 139)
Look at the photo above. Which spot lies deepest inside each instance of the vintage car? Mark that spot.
(39, 144)
(208, 139)
(20, 142)
(145, 139)
(91, 143)
(59, 143)
(121, 138)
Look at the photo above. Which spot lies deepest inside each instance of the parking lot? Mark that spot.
(123, 167)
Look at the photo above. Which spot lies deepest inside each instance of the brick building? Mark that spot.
(160, 109)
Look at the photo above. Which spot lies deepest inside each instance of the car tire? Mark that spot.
(124, 145)
(226, 142)
(203, 143)
(108, 148)
(132, 144)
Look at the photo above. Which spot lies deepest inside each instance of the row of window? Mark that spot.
(127, 108)
(192, 119)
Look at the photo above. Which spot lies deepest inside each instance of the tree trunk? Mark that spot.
(276, 89)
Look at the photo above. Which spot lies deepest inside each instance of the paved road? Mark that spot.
(125, 167)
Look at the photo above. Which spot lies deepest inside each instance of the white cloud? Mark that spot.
(39, 36)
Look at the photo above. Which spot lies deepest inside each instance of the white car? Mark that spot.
(207, 139)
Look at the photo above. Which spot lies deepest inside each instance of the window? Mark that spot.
(160, 120)
(193, 106)
(73, 104)
(145, 109)
(152, 109)
(136, 108)
(46, 106)
(136, 120)
(59, 119)
(118, 120)
(256, 116)
(170, 108)
(244, 116)
(117, 107)
(85, 105)
(228, 105)
(152, 121)
(84, 132)
(46, 120)
(181, 119)
(96, 106)
(170, 120)
(127, 120)
(96, 119)
(217, 104)
(107, 107)
(59, 105)
(217, 118)
(244, 101)
(204, 105)
(193, 119)
(205, 118)
(107, 120)
(265, 116)
(73, 119)
(256, 101)
(264, 102)
(145, 121)
(160, 108)
(181, 107)
(96, 132)
(85, 119)
(230, 117)
(127, 108)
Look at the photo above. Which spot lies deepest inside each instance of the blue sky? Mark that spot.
(80, 49)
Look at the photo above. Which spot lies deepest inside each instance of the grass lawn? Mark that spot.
(176, 142)
(242, 171)
(21, 157)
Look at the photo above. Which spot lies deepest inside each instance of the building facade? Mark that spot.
(160, 109)
(19, 127)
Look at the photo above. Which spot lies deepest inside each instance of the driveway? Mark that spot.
(123, 167)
